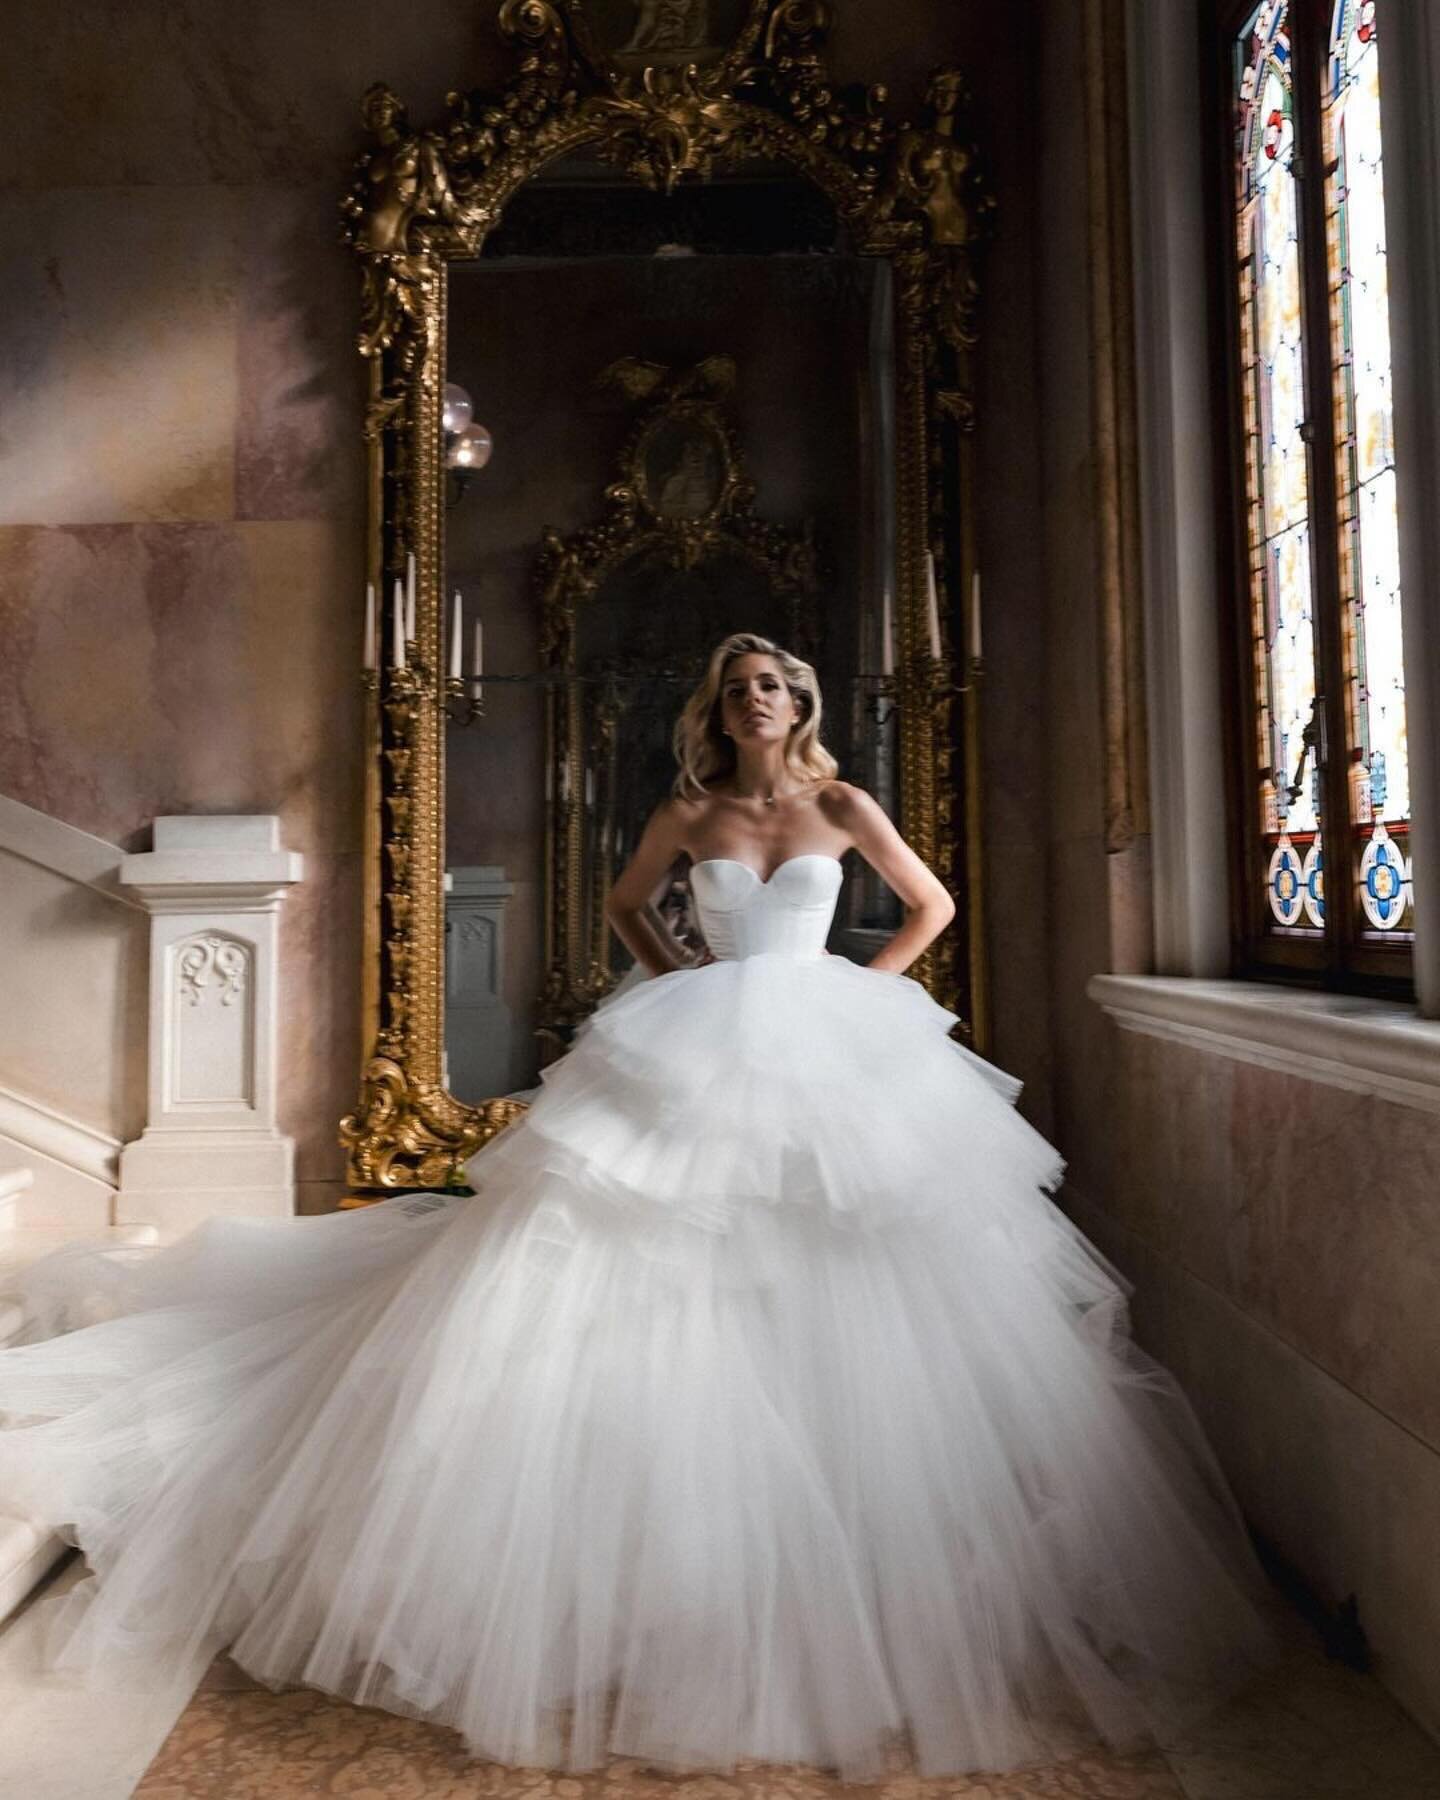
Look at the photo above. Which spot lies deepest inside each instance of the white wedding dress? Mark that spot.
(759, 1405)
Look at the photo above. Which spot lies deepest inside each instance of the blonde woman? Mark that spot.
(759, 1406)
(755, 783)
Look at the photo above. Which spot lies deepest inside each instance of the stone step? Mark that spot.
(28, 1552)
(13, 1183)
(25, 1244)
(28, 1243)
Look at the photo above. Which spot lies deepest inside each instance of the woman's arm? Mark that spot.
(928, 906)
(628, 908)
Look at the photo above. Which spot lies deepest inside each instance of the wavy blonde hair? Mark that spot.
(703, 751)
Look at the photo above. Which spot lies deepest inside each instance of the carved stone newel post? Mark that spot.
(213, 888)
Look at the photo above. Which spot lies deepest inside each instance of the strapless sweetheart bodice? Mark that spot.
(787, 915)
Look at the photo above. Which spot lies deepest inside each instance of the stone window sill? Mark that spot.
(1379, 1047)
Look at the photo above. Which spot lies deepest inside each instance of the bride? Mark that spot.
(760, 1404)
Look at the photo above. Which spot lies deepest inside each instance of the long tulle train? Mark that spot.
(759, 1405)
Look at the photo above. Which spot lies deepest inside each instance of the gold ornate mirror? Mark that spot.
(717, 317)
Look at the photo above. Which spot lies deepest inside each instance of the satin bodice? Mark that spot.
(788, 915)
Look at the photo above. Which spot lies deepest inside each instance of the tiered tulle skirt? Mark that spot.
(759, 1405)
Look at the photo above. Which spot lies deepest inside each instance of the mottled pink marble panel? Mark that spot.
(298, 447)
(1341, 1210)
(1309, 1207)
(183, 668)
(190, 92)
(320, 1048)
(118, 376)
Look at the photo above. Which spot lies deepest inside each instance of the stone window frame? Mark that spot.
(1181, 557)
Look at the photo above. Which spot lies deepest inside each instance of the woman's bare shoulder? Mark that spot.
(843, 802)
(686, 808)
(678, 816)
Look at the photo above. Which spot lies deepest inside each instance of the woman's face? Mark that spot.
(755, 703)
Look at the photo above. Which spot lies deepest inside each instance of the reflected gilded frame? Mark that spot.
(913, 193)
(571, 571)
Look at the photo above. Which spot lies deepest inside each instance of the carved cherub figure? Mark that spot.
(932, 167)
(407, 174)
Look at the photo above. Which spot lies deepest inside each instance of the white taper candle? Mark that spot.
(975, 615)
(368, 659)
(397, 624)
(932, 605)
(455, 630)
(410, 595)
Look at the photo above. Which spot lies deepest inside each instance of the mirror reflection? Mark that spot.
(684, 445)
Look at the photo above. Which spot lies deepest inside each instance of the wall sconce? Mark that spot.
(467, 444)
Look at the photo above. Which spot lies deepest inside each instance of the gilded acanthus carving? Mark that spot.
(795, 76)
(912, 193)
(422, 195)
(403, 1136)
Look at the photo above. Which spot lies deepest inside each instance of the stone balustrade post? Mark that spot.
(213, 887)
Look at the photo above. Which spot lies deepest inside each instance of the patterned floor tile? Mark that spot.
(239, 1742)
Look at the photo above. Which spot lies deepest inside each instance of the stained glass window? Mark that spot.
(1282, 627)
(1374, 672)
(1327, 766)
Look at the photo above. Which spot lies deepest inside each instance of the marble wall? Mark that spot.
(180, 468)
(1280, 1231)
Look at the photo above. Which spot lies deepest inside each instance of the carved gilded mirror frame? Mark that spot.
(911, 193)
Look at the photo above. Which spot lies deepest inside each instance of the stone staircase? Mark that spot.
(28, 1550)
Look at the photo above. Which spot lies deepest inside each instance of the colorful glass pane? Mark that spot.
(1276, 470)
(1364, 438)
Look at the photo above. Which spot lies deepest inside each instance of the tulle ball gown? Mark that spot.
(760, 1405)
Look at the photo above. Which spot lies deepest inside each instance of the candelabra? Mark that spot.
(923, 678)
(464, 700)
